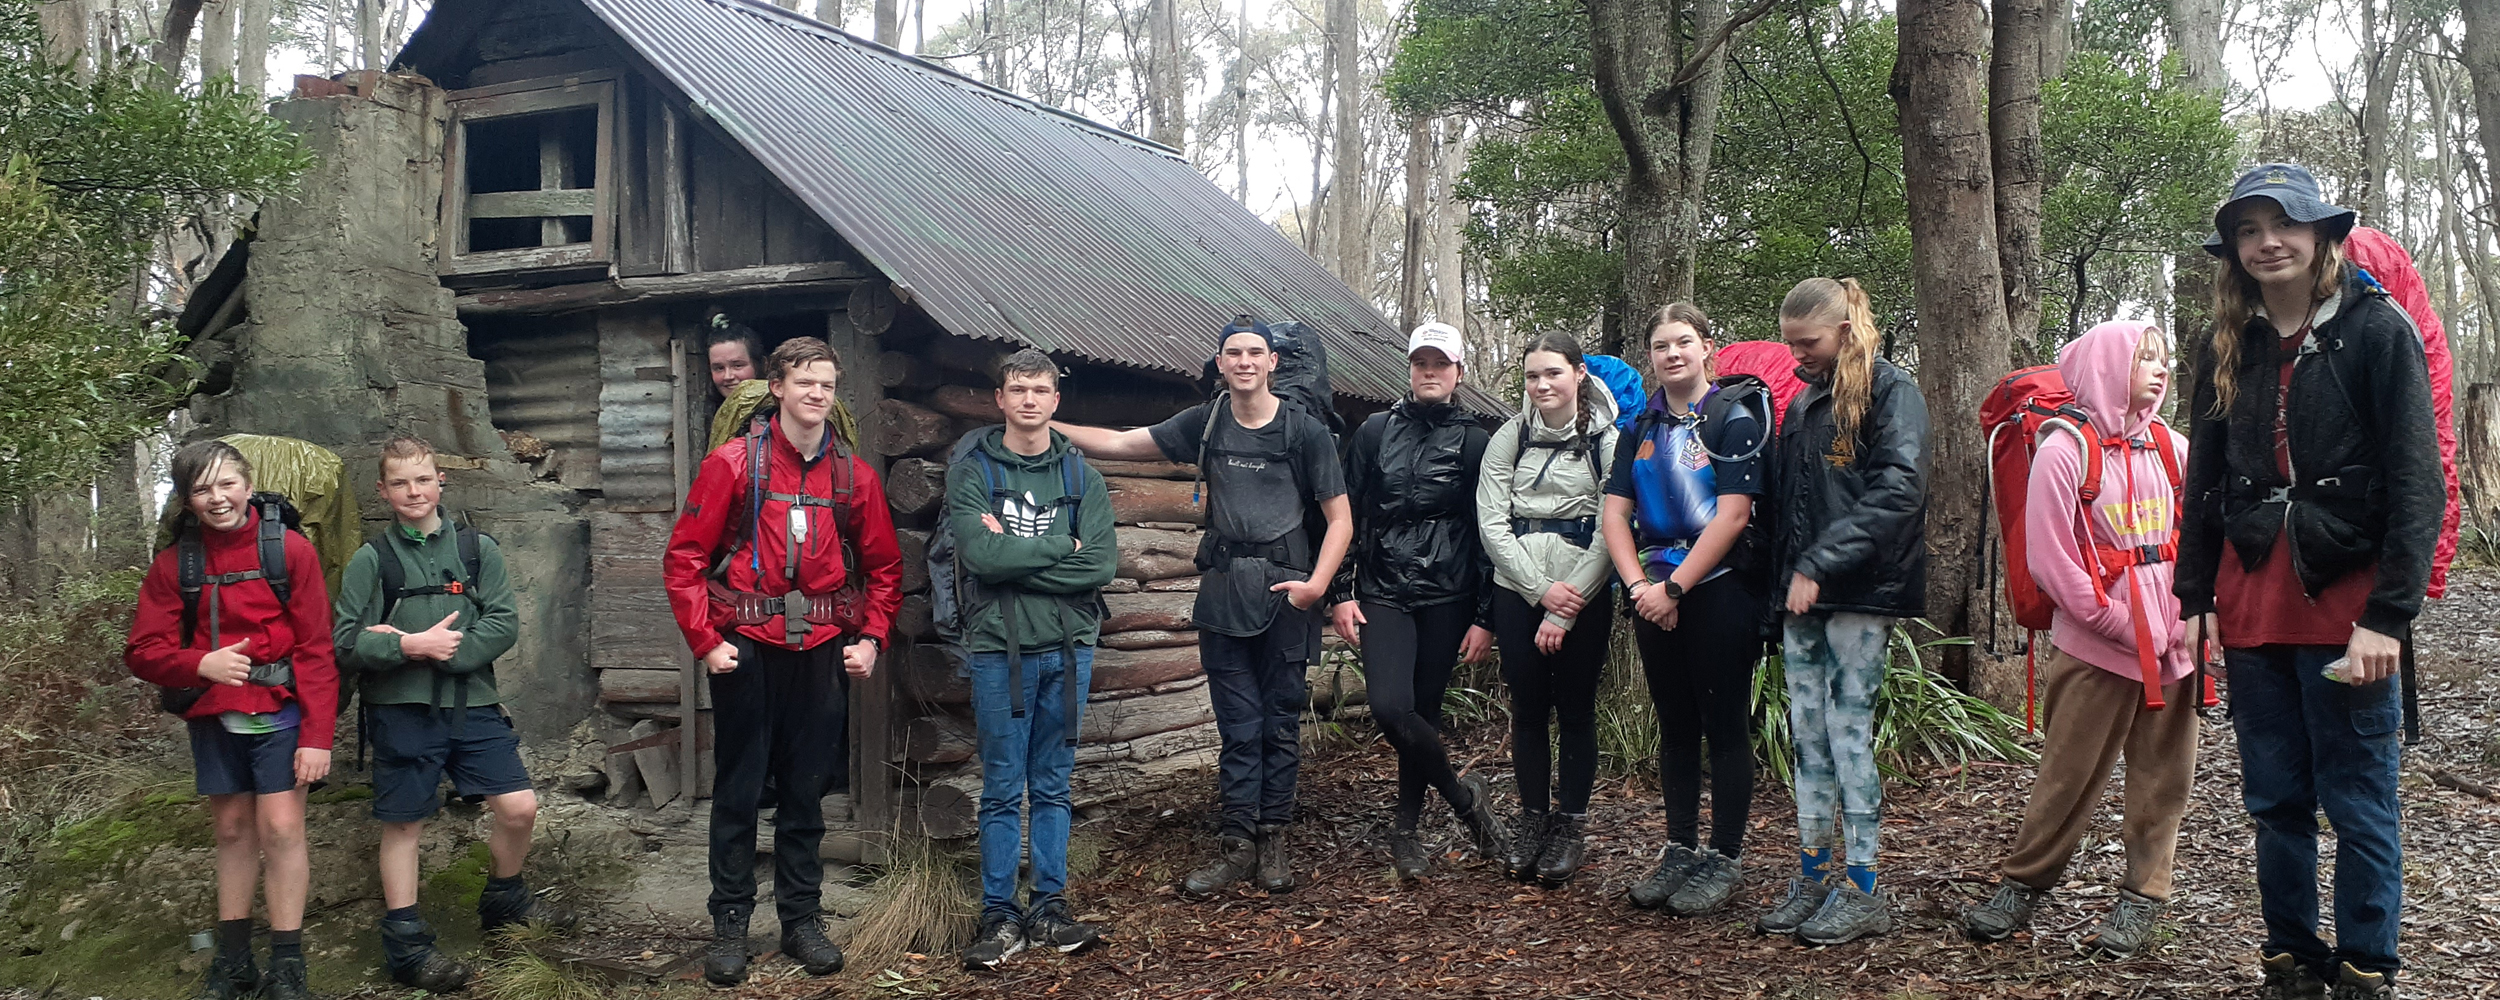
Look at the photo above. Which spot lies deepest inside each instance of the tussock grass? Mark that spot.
(1919, 716)
(521, 974)
(924, 903)
(74, 725)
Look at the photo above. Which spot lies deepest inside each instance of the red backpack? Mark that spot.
(2024, 405)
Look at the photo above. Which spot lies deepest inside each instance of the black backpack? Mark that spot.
(1301, 376)
(277, 517)
(395, 576)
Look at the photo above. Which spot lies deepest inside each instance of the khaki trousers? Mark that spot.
(2092, 717)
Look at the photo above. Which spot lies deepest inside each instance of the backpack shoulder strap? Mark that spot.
(2169, 460)
(191, 573)
(393, 576)
(465, 539)
(273, 554)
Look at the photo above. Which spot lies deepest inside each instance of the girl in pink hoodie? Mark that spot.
(2094, 563)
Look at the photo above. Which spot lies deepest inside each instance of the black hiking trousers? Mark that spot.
(1701, 682)
(1407, 659)
(1553, 699)
(783, 713)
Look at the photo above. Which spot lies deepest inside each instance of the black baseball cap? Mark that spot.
(2289, 185)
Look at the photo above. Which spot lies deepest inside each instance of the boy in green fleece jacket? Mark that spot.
(425, 653)
(1033, 539)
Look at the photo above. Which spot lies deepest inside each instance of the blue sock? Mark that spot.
(1864, 876)
(1816, 860)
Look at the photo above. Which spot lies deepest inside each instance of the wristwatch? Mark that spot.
(1675, 591)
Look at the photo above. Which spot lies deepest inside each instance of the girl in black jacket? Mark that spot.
(2314, 496)
(1416, 581)
(1851, 558)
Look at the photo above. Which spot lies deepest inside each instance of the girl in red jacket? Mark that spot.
(2096, 563)
(256, 739)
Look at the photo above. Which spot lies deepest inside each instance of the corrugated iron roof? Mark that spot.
(1003, 218)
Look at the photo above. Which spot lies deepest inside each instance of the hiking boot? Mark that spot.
(2003, 914)
(1050, 926)
(2289, 978)
(518, 905)
(408, 948)
(1406, 855)
(1478, 817)
(1234, 859)
(1527, 843)
(1848, 915)
(805, 942)
(1275, 865)
(1566, 846)
(725, 960)
(1805, 897)
(2125, 930)
(1001, 935)
(230, 977)
(1708, 886)
(2354, 984)
(1674, 866)
(287, 980)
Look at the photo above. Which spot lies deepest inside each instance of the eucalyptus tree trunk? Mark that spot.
(217, 39)
(1937, 83)
(830, 12)
(1346, 217)
(2387, 37)
(173, 39)
(2015, 72)
(2194, 31)
(251, 46)
(2482, 65)
(68, 28)
(369, 34)
(890, 23)
(1449, 227)
(1418, 210)
(1166, 98)
(1241, 105)
(1660, 69)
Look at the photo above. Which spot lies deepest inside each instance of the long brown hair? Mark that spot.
(1569, 347)
(1689, 314)
(1824, 300)
(2236, 298)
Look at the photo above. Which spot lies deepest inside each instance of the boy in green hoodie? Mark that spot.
(425, 645)
(1034, 555)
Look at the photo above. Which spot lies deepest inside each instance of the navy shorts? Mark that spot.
(227, 763)
(414, 746)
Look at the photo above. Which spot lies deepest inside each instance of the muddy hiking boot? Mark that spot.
(1805, 897)
(408, 949)
(1566, 846)
(501, 906)
(1674, 866)
(229, 977)
(1001, 936)
(1527, 843)
(2003, 914)
(804, 942)
(2127, 927)
(1275, 863)
(1708, 886)
(2354, 984)
(2289, 978)
(1482, 825)
(1407, 856)
(287, 980)
(1050, 926)
(1848, 915)
(1235, 858)
(725, 960)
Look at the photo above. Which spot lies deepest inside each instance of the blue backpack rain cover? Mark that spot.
(1625, 382)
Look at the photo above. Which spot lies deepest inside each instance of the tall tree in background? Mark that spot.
(2193, 29)
(1347, 235)
(2388, 35)
(890, 23)
(1962, 331)
(1166, 97)
(2482, 66)
(2017, 64)
(1659, 70)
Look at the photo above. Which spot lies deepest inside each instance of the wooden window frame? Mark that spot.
(530, 97)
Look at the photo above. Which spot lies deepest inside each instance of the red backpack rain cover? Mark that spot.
(2388, 264)
(1769, 361)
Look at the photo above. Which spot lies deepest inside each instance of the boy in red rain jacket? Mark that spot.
(258, 736)
(784, 575)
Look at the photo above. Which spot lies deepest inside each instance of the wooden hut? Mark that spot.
(600, 177)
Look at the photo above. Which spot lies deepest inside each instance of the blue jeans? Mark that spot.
(1025, 761)
(1835, 663)
(2306, 744)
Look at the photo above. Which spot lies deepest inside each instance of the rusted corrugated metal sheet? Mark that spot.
(542, 379)
(1003, 218)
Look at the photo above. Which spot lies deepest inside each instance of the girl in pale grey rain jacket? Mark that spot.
(1537, 501)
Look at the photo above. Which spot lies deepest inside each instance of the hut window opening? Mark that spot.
(530, 176)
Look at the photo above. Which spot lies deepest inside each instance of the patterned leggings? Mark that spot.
(1834, 664)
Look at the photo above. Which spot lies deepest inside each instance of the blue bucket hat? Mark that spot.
(2289, 185)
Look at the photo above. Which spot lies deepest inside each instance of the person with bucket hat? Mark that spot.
(1416, 592)
(2313, 501)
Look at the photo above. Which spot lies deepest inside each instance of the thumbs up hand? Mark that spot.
(227, 666)
(437, 643)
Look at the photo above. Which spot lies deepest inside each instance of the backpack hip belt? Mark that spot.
(1281, 550)
(750, 608)
(1579, 531)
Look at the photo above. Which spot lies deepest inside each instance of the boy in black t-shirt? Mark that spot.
(1266, 571)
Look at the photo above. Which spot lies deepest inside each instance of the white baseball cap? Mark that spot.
(1441, 337)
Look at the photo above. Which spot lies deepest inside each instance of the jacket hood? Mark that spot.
(2099, 368)
(994, 441)
(1603, 416)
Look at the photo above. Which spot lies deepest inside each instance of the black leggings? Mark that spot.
(1701, 680)
(1407, 656)
(1562, 686)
